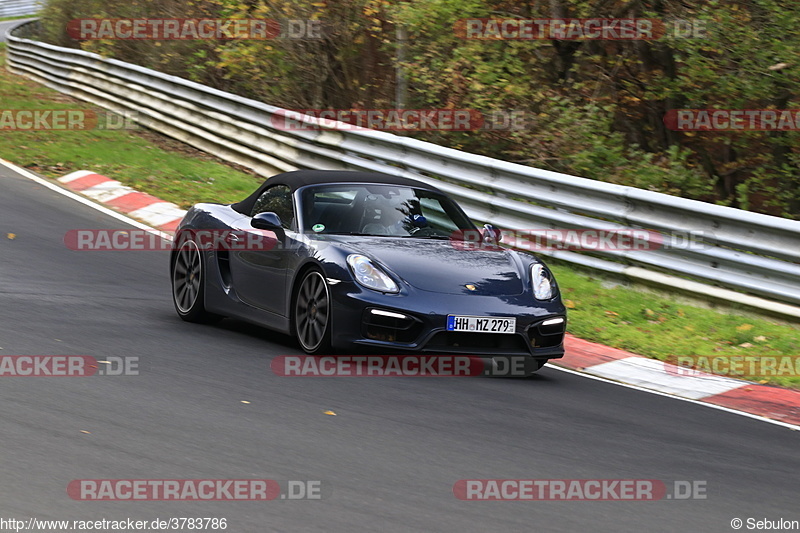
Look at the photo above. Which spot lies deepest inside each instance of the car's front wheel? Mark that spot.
(188, 287)
(312, 314)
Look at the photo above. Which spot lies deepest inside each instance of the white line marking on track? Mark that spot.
(85, 201)
(25, 173)
(657, 375)
(72, 176)
(159, 213)
(793, 427)
(105, 192)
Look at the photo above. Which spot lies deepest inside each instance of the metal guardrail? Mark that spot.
(18, 8)
(753, 254)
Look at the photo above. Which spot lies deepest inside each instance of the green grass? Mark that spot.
(17, 17)
(649, 323)
(159, 166)
(641, 321)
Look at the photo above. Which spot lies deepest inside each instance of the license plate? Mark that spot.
(482, 324)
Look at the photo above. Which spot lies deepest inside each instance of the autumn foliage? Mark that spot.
(597, 107)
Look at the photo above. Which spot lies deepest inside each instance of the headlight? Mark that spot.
(369, 275)
(542, 283)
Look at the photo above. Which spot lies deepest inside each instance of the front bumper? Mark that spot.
(424, 330)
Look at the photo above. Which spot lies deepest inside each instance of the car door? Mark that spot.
(258, 265)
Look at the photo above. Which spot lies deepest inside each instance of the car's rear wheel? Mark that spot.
(188, 284)
(312, 314)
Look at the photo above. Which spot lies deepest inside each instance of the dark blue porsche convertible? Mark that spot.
(365, 260)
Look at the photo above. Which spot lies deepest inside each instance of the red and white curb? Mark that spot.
(162, 215)
(602, 361)
(781, 405)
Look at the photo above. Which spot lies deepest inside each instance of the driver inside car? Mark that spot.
(393, 216)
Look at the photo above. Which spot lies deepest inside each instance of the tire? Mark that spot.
(188, 284)
(311, 315)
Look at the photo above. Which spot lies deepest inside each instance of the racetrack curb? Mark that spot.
(775, 403)
(164, 216)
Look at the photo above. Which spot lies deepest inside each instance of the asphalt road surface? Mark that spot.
(389, 458)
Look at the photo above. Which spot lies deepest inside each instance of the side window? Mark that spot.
(277, 199)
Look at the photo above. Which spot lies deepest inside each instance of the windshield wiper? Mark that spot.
(357, 234)
(434, 237)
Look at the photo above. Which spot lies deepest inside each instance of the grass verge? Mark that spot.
(637, 320)
(668, 327)
(16, 17)
(142, 159)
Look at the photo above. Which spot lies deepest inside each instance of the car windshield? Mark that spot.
(382, 210)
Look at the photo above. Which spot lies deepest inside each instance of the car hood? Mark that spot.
(438, 266)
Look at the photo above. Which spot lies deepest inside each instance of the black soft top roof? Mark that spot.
(300, 178)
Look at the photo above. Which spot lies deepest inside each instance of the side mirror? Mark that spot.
(491, 234)
(269, 221)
